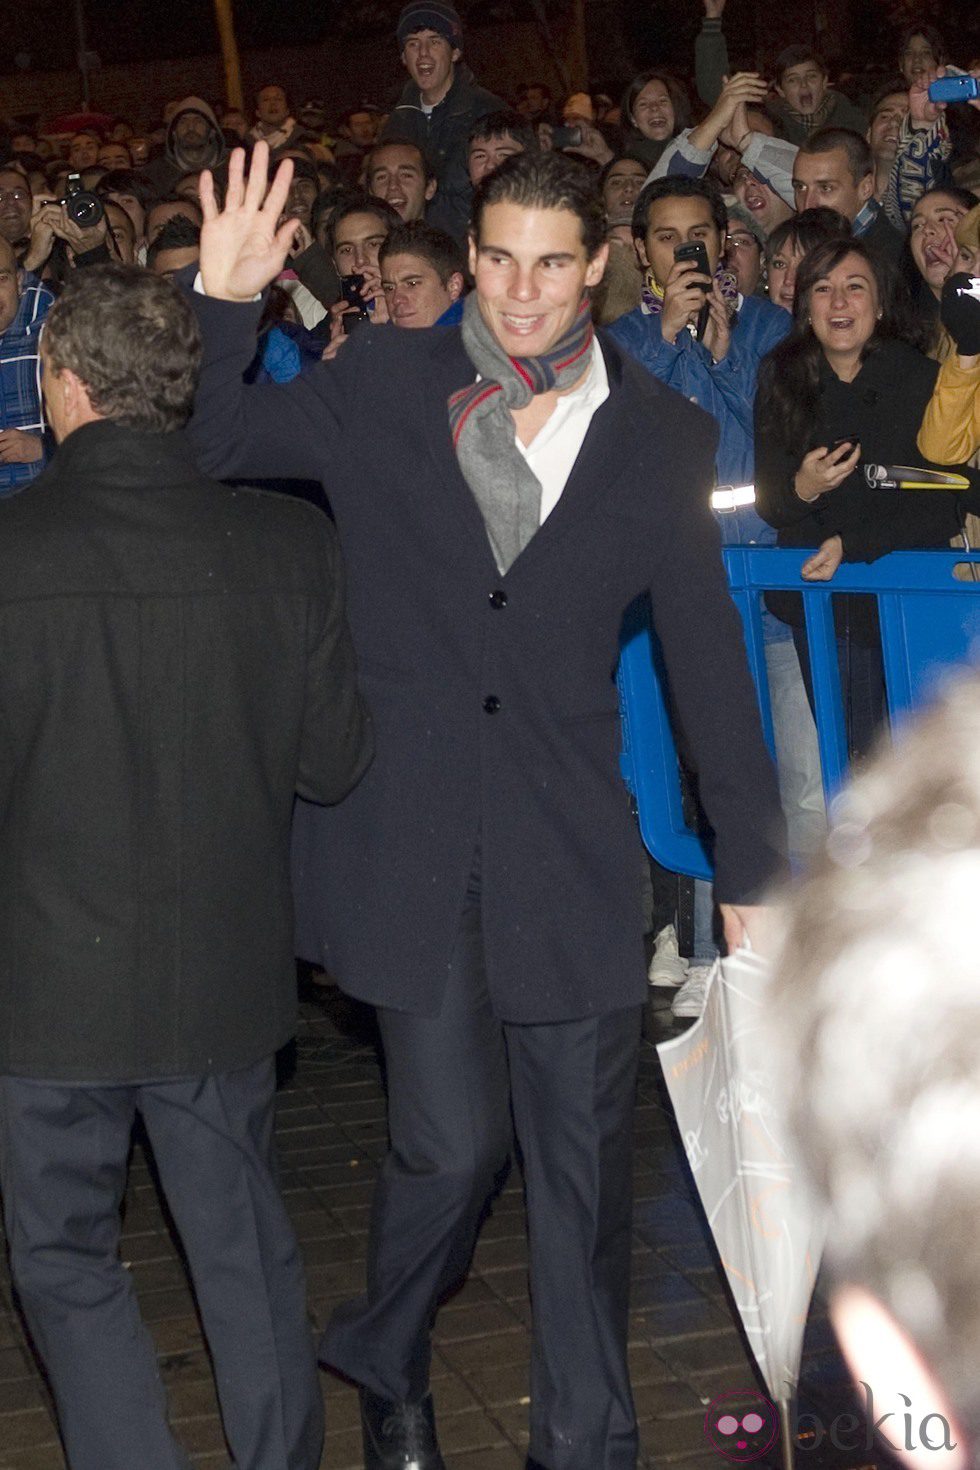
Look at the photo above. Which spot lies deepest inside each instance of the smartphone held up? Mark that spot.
(696, 251)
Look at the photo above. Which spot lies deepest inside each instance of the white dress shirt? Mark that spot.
(555, 448)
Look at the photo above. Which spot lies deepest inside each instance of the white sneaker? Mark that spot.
(667, 968)
(689, 1000)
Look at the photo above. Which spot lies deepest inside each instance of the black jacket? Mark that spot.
(493, 696)
(443, 136)
(883, 409)
(176, 663)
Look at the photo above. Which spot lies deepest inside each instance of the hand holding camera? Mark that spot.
(960, 87)
(686, 291)
(824, 469)
(363, 300)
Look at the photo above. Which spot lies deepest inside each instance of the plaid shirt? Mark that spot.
(20, 379)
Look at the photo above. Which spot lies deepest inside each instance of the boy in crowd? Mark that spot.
(422, 276)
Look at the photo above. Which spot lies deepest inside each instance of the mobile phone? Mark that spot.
(851, 439)
(566, 137)
(350, 290)
(695, 250)
(954, 89)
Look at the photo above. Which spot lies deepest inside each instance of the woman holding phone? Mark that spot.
(847, 387)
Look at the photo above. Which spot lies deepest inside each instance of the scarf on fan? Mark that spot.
(652, 296)
(505, 487)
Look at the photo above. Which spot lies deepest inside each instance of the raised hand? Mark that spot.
(744, 89)
(684, 296)
(243, 246)
(922, 111)
(975, 102)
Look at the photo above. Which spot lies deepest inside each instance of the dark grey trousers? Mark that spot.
(63, 1156)
(451, 1081)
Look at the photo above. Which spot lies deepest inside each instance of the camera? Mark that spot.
(696, 250)
(566, 137)
(83, 207)
(350, 289)
(954, 89)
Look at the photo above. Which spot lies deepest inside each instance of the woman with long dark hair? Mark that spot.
(847, 387)
(654, 109)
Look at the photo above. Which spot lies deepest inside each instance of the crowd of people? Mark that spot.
(493, 296)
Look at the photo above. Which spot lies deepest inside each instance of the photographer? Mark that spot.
(355, 235)
(69, 234)
(718, 368)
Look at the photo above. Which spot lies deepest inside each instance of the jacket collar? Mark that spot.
(463, 83)
(112, 453)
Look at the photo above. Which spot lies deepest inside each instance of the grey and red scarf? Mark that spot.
(505, 487)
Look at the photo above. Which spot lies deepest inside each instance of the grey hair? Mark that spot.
(874, 1017)
(132, 339)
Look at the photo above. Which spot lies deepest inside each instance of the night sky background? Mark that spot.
(41, 33)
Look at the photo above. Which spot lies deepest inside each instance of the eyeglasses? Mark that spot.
(742, 242)
(14, 196)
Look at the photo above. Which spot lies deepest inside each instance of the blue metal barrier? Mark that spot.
(930, 622)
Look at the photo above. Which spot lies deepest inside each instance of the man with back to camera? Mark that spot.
(177, 664)
(494, 538)
(439, 105)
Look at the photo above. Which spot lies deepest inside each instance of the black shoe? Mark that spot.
(399, 1436)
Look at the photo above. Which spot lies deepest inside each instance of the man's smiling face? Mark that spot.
(429, 60)
(531, 271)
(397, 175)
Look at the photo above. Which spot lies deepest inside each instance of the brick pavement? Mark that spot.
(684, 1348)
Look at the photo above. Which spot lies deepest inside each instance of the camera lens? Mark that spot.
(85, 209)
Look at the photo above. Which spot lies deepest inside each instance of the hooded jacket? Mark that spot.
(165, 172)
(443, 135)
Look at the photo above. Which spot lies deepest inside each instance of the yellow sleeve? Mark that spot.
(950, 432)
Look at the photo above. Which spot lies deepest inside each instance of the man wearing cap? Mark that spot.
(439, 106)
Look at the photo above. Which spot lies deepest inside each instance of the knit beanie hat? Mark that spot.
(431, 15)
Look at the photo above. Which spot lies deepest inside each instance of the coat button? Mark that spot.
(491, 704)
(498, 599)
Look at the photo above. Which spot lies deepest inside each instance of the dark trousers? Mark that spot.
(63, 1157)
(451, 1081)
